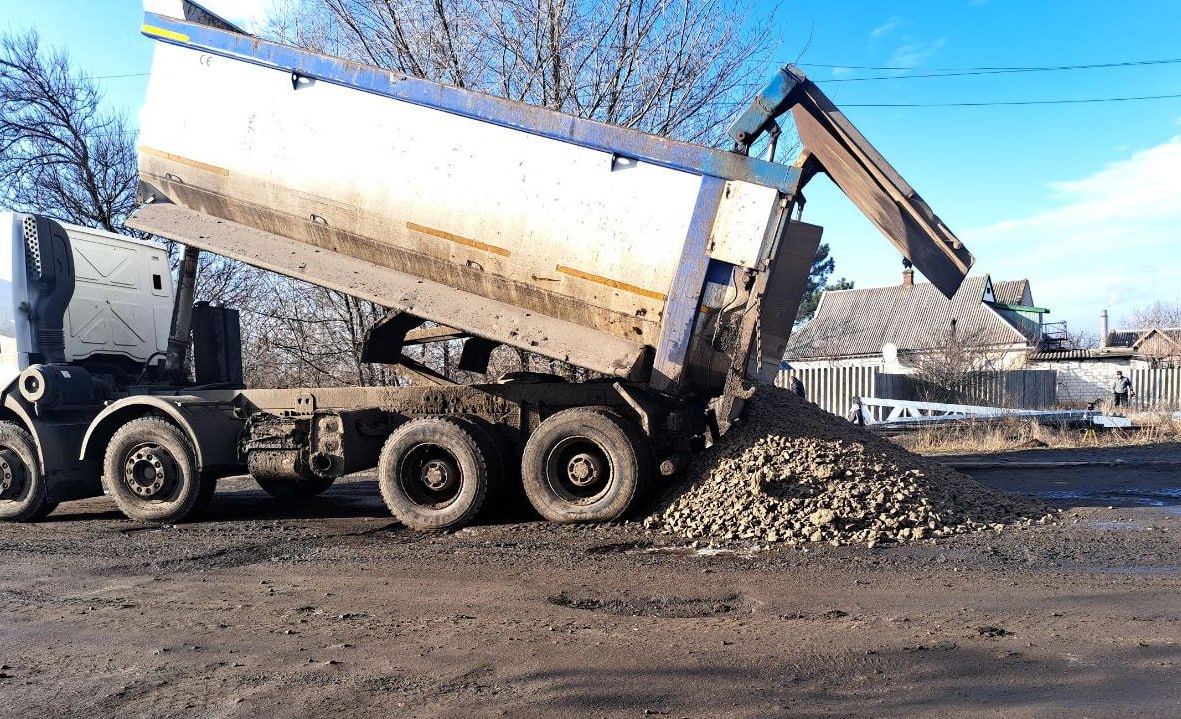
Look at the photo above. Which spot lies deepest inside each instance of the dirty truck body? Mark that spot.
(671, 271)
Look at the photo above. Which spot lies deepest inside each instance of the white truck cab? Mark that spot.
(118, 314)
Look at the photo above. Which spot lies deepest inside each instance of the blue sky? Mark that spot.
(1083, 199)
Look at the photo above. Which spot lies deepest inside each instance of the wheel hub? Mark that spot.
(12, 474)
(438, 475)
(584, 469)
(150, 472)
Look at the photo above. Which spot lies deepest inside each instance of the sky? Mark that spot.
(1083, 199)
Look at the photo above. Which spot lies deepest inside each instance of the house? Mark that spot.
(1155, 348)
(894, 329)
(1086, 375)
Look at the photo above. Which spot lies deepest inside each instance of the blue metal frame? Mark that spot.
(684, 296)
(540, 121)
(770, 102)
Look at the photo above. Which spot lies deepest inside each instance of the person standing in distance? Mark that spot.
(1122, 389)
(796, 385)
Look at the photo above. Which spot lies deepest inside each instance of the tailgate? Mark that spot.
(831, 143)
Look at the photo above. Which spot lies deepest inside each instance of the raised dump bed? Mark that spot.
(599, 245)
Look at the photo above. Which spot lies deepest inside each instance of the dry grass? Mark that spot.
(988, 437)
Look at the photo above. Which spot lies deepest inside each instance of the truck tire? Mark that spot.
(292, 490)
(24, 494)
(150, 470)
(433, 474)
(585, 465)
(504, 489)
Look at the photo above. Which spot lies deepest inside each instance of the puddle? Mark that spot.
(1154, 497)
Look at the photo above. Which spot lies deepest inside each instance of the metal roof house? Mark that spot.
(1153, 347)
(1086, 375)
(887, 326)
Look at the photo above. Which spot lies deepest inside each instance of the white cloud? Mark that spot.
(1112, 240)
(842, 71)
(914, 52)
(885, 28)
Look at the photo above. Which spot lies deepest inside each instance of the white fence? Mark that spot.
(1157, 388)
(833, 388)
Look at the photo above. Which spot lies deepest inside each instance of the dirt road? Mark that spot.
(265, 611)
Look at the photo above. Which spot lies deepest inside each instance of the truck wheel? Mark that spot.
(585, 465)
(503, 492)
(24, 496)
(150, 470)
(290, 490)
(433, 474)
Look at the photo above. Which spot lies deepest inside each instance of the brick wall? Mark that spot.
(1080, 382)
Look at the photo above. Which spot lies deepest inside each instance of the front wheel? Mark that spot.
(585, 465)
(24, 495)
(150, 470)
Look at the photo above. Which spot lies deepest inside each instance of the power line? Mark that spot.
(966, 73)
(993, 103)
(1066, 101)
(987, 68)
(115, 77)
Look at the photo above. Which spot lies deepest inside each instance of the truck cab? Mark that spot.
(116, 297)
(84, 314)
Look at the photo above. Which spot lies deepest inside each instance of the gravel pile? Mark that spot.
(795, 473)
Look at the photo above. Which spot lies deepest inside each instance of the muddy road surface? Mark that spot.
(264, 610)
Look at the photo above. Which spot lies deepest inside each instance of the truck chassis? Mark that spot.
(580, 451)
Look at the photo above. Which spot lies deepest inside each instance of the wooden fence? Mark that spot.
(833, 388)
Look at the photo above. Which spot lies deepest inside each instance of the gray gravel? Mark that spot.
(794, 473)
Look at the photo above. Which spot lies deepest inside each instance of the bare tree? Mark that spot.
(677, 69)
(299, 335)
(953, 370)
(1158, 314)
(1082, 340)
(61, 151)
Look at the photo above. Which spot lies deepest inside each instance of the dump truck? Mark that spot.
(671, 272)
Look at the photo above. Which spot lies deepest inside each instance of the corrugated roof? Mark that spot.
(1123, 338)
(1129, 338)
(1101, 353)
(859, 322)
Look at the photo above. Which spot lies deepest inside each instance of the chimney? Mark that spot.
(1103, 328)
(907, 273)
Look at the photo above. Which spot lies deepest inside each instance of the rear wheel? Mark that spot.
(433, 473)
(585, 465)
(150, 470)
(24, 495)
